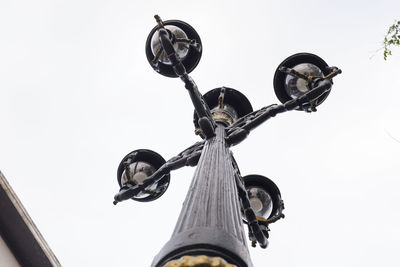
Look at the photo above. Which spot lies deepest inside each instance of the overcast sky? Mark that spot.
(77, 94)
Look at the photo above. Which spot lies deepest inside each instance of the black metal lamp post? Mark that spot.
(209, 231)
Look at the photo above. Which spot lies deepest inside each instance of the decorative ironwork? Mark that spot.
(210, 223)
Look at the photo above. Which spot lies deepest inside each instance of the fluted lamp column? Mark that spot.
(210, 221)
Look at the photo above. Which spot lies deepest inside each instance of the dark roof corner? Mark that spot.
(20, 233)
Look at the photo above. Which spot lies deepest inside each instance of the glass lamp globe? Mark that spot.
(264, 196)
(288, 87)
(175, 33)
(137, 167)
(295, 86)
(260, 201)
(137, 173)
(185, 41)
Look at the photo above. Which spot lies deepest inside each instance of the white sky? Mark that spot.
(77, 94)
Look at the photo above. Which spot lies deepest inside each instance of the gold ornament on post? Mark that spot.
(199, 261)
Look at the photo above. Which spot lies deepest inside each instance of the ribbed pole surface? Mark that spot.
(210, 221)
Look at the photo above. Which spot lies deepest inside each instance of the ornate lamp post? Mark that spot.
(209, 231)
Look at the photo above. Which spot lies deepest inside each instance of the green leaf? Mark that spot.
(392, 38)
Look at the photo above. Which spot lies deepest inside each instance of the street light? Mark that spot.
(209, 230)
(136, 168)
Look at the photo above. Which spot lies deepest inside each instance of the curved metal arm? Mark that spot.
(256, 233)
(206, 121)
(238, 131)
(258, 226)
(188, 157)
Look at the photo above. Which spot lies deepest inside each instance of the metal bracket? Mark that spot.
(238, 131)
(188, 157)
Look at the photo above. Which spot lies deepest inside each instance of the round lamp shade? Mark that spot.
(138, 166)
(234, 105)
(264, 195)
(288, 87)
(180, 33)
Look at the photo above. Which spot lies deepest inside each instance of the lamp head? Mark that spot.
(264, 196)
(288, 86)
(186, 42)
(138, 166)
(227, 105)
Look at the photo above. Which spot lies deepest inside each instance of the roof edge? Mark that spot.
(26, 243)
